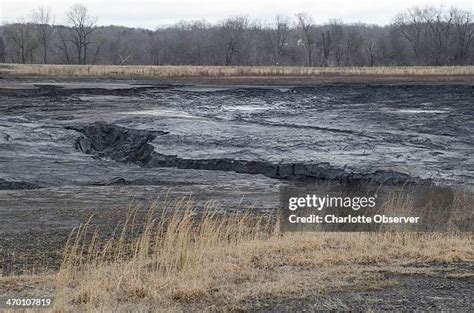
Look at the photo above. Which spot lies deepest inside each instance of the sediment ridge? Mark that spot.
(133, 146)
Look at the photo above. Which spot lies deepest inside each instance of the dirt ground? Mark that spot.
(421, 287)
(413, 287)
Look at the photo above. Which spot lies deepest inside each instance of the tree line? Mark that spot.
(428, 36)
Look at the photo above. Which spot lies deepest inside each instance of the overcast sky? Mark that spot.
(153, 13)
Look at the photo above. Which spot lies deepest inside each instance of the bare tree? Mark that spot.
(119, 51)
(306, 26)
(464, 28)
(199, 37)
(82, 25)
(232, 31)
(412, 27)
(419, 36)
(2, 51)
(63, 43)
(439, 26)
(336, 29)
(326, 47)
(354, 43)
(23, 39)
(42, 17)
(156, 50)
(98, 47)
(278, 38)
(371, 52)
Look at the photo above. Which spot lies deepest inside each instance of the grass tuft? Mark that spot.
(178, 258)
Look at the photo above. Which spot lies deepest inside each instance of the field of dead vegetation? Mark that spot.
(176, 260)
(243, 74)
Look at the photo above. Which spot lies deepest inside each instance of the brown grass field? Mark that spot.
(242, 74)
(178, 260)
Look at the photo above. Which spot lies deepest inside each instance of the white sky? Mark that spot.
(153, 13)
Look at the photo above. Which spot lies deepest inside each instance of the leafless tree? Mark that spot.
(82, 25)
(419, 36)
(464, 29)
(42, 17)
(353, 47)
(63, 43)
(371, 52)
(306, 26)
(278, 38)
(156, 50)
(439, 27)
(24, 42)
(2, 50)
(411, 25)
(232, 31)
(326, 46)
(336, 29)
(119, 50)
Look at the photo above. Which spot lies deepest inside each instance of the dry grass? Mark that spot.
(178, 260)
(148, 71)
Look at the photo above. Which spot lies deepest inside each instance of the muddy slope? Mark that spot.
(132, 146)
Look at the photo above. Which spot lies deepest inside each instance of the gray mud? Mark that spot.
(133, 146)
(71, 149)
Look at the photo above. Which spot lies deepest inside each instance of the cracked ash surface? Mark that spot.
(72, 148)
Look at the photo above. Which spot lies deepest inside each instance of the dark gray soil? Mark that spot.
(389, 133)
(72, 148)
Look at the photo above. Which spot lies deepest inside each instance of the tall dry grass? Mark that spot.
(170, 239)
(148, 71)
(177, 259)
